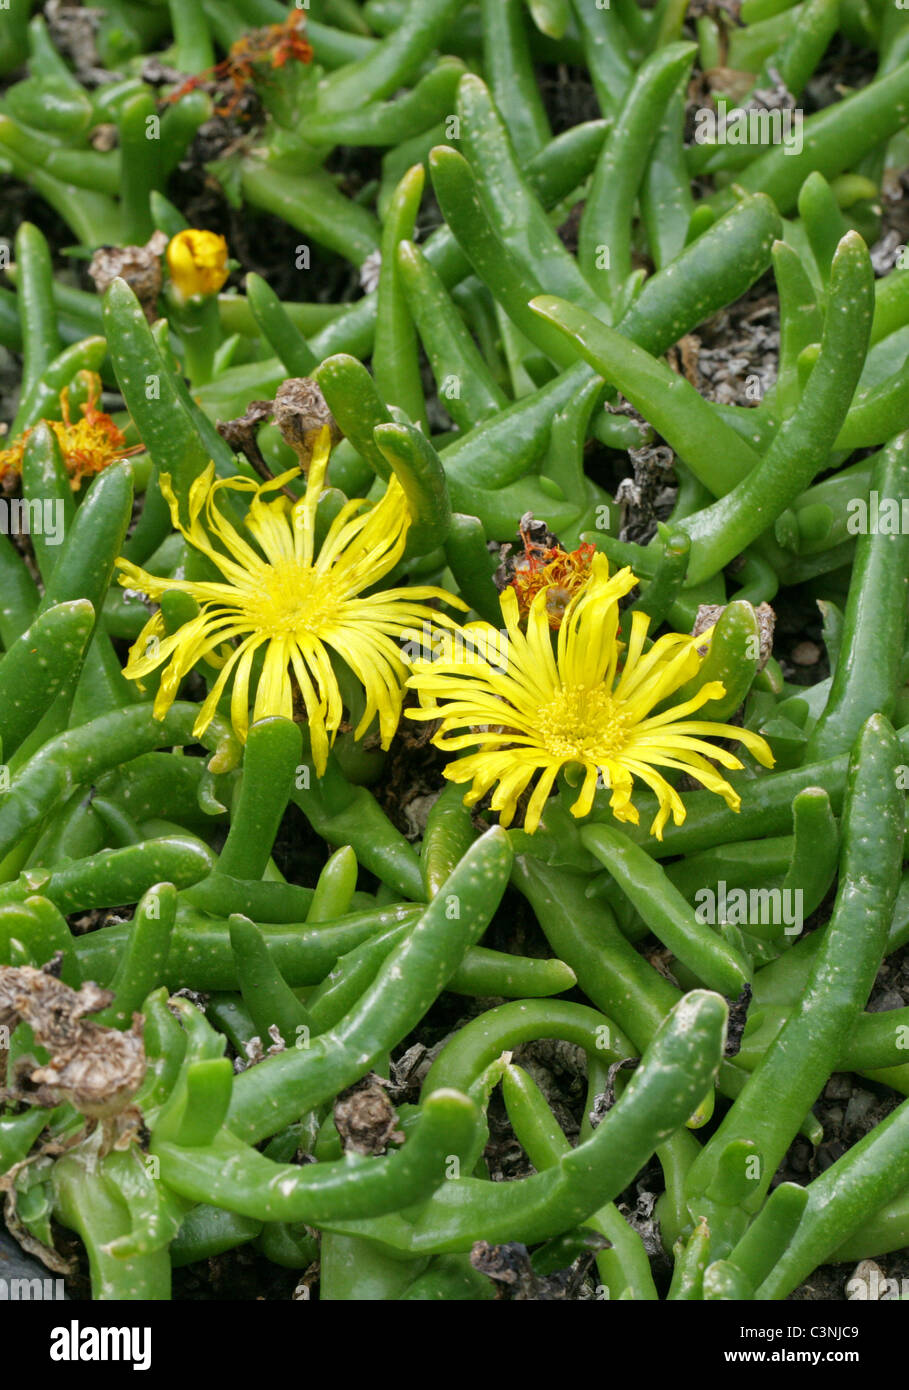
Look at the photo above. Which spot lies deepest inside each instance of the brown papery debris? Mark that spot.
(97, 1069)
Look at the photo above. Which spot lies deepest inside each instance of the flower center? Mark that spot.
(92, 443)
(583, 723)
(292, 598)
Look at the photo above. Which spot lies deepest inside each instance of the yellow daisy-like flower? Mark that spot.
(278, 594)
(197, 262)
(534, 711)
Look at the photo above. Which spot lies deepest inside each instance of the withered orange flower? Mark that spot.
(87, 445)
(272, 46)
(561, 573)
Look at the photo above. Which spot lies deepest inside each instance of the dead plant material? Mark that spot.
(604, 1102)
(510, 1269)
(241, 435)
(97, 1069)
(49, 1257)
(709, 615)
(139, 266)
(256, 1050)
(649, 496)
(251, 59)
(365, 1118)
(623, 407)
(301, 413)
(535, 540)
(308, 1283)
(72, 28)
(738, 1017)
(716, 9)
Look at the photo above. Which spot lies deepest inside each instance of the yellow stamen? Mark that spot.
(583, 724)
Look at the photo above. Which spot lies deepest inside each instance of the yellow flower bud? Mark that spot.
(197, 262)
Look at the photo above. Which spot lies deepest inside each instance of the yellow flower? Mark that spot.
(278, 594)
(531, 710)
(197, 262)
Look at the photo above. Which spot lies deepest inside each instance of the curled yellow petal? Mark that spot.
(197, 262)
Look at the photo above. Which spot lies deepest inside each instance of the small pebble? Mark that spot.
(890, 999)
(800, 1156)
(806, 654)
(860, 1103)
(828, 1154)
